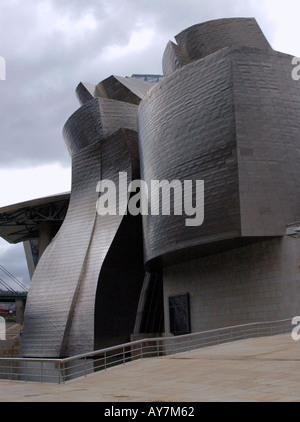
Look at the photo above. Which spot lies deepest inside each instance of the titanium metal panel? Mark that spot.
(209, 37)
(174, 57)
(267, 114)
(130, 90)
(85, 92)
(98, 119)
(60, 309)
(187, 132)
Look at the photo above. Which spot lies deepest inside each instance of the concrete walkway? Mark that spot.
(263, 369)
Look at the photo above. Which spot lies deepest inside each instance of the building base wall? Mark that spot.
(258, 282)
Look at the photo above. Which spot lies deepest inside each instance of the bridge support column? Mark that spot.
(44, 237)
(20, 310)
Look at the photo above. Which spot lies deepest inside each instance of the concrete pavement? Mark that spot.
(261, 369)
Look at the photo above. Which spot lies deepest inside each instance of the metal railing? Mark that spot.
(63, 370)
(9, 336)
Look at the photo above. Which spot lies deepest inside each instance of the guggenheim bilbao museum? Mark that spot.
(219, 132)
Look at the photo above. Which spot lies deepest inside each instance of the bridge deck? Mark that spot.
(12, 297)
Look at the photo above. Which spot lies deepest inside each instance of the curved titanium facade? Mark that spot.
(231, 119)
(60, 312)
(130, 90)
(203, 39)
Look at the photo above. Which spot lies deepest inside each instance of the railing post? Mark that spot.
(63, 373)
(59, 374)
(85, 366)
(141, 350)
(105, 361)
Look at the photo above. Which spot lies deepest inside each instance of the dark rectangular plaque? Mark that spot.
(179, 309)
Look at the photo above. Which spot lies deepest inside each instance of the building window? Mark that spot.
(153, 79)
(179, 310)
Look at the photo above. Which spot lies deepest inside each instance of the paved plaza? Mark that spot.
(261, 369)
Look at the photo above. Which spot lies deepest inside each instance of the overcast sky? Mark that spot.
(51, 45)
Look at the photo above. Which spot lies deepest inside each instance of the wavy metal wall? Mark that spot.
(228, 114)
(60, 313)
